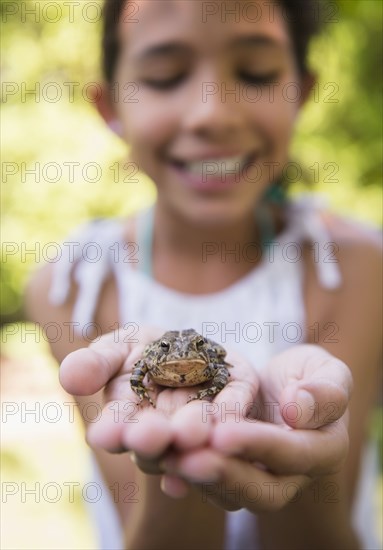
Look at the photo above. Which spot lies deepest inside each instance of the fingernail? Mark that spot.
(168, 464)
(132, 456)
(307, 403)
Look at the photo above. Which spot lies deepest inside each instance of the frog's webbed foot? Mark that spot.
(218, 382)
(136, 382)
(143, 394)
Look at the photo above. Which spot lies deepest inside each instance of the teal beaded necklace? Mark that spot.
(275, 194)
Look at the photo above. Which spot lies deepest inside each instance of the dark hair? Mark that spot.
(305, 19)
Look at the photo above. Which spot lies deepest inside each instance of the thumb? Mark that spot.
(312, 404)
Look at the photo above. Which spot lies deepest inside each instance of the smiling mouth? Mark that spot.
(214, 172)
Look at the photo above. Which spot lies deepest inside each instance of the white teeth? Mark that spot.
(216, 166)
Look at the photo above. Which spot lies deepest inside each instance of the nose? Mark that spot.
(214, 109)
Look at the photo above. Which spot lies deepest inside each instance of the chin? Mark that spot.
(217, 213)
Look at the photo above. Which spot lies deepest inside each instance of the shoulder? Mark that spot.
(53, 291)
(40, 310)
(358, 251)
(356, 317)
(37, 305)
(355, 247)
(349, 231)
(354, 309)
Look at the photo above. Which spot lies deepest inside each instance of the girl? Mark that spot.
(211, 124)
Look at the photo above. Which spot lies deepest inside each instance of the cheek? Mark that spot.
(276, 115)
(148, 126)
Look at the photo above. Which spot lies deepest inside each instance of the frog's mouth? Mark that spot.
(186, 366)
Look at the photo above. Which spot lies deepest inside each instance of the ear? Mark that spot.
(307, 84)
(104, 104)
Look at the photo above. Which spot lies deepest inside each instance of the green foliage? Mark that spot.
(346, 134)
(341, 124)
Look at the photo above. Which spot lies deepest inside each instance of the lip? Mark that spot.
(212, 154)
(210, 182)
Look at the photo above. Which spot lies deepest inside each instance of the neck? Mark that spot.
(183, 237)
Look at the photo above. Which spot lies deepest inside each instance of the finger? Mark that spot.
(246, 486)
(239, 394)
(151, 433)
(322, 393)
(198, 466)
(150, 436)
(313, 404)
(191, 426)
(146, 465)
(87, 370)
(192, 423)
(284, 450)
(233, 483)
(313, 379)
(107, 432)
(174, 486)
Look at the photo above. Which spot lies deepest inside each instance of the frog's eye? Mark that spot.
(165, 345)
(200, 342)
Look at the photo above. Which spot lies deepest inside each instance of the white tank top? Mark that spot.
(260, 315)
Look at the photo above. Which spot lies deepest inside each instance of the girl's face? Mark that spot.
(207, 97)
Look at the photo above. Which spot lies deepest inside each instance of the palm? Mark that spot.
(193, 418)
(108, 364)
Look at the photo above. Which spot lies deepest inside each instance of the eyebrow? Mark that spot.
(256, 40)
(177, 48)
(169, 48)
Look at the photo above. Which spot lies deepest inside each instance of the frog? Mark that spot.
(181, 358)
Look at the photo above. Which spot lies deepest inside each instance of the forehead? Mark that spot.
(208, 26)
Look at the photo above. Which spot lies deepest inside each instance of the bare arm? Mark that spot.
(156, 520)
(322, 517)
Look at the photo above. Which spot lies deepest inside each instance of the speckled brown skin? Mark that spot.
(181, 359)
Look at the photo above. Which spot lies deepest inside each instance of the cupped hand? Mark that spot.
(297, 431)
(150, 434)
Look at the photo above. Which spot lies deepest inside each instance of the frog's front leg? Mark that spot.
(218, 382)
(136, 381)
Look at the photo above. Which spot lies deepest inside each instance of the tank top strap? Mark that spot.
(304, 223)
(144, 239)
(305, 213)
(88, 256)
(145, 229)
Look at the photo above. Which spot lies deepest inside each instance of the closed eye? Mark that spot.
(164, 84)
(260, 79)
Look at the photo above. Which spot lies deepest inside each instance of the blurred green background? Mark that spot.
(338, 138)
(338, 141)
